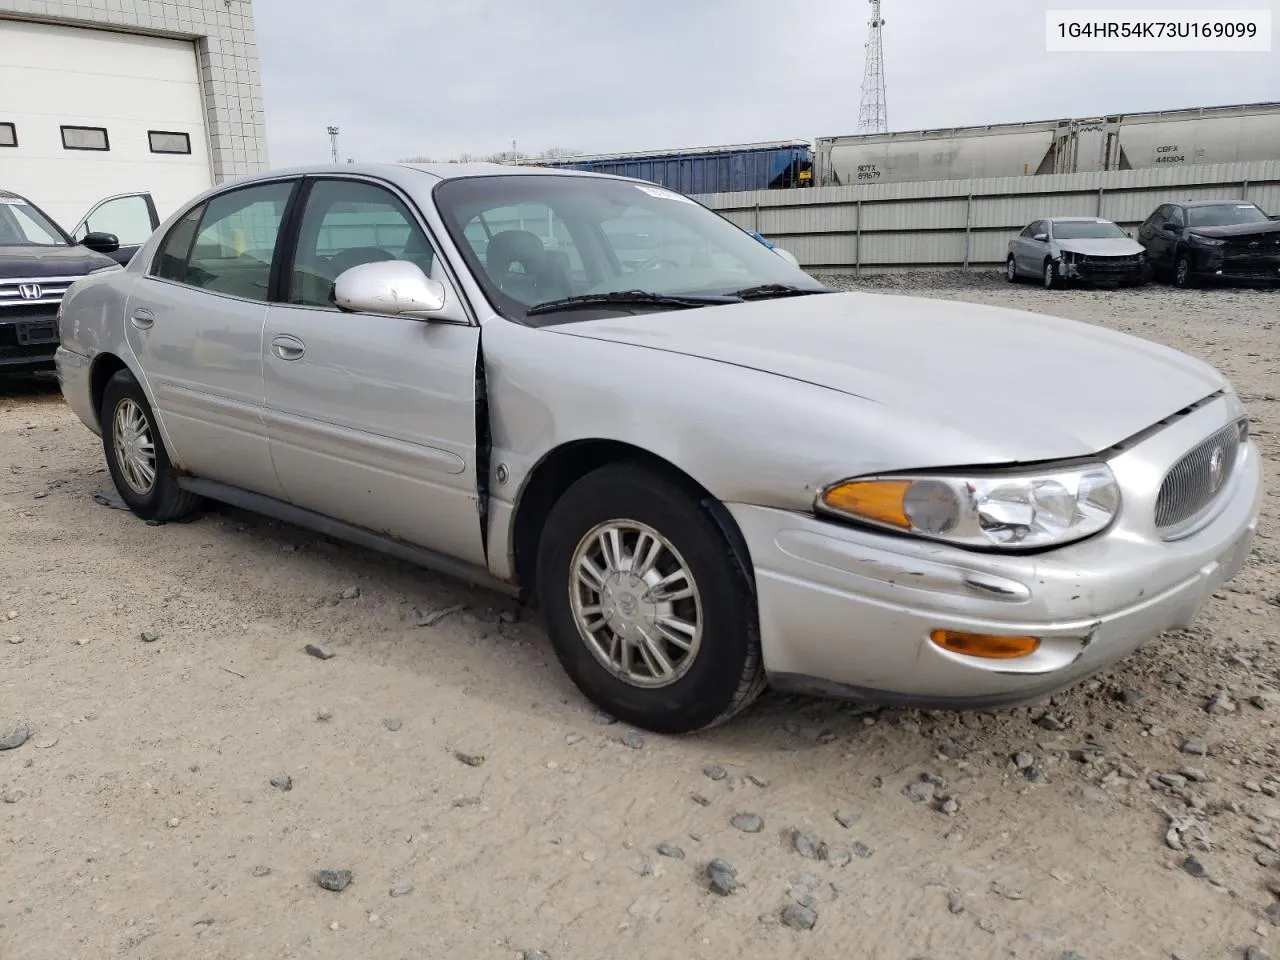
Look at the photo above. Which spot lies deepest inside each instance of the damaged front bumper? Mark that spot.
(1103, 269)
(849, 612)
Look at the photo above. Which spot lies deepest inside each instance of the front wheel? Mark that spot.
(1011, 270)
(1182, 276)
(136, 457)
(647, 611)
(1052, 279)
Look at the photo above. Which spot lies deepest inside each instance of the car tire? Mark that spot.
(1011, 270)
(1052, 279)
(1183, 278)
(718, 672)
(136, 456)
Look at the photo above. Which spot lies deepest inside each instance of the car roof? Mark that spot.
(1077, 220)
(1214, 203)
(401, 171)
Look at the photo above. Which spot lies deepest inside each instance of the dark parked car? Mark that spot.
(1212, 240)
(39, 261)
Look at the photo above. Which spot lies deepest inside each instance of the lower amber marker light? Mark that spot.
(984, 645)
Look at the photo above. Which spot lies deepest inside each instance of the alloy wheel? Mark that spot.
(635, 603)
(135, 447)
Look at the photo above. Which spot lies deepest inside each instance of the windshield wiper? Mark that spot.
(629, 298)
(765, 291)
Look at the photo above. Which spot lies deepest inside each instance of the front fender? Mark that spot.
(744, 435)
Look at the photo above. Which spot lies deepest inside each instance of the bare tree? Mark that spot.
(556, 153)
(502, 156)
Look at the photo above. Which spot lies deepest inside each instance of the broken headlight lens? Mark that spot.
(1000, 510)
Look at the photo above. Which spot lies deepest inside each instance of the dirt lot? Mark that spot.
(140, 818)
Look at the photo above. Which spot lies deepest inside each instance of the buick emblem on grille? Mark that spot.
(29, 291)
(1255, 243)
(1217, 463)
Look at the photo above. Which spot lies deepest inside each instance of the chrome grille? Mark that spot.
(26, 291)
(1192, 486)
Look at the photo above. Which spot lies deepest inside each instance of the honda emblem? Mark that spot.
(29, 291)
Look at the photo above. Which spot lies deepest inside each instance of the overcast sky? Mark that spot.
(404, 78)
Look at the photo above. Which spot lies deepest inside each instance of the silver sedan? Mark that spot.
(708, 470)
(1065, 249)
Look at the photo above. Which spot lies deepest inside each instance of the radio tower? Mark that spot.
(333, 142)
(873, 117)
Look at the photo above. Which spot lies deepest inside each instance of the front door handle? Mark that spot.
(142, 318)
(288, 348)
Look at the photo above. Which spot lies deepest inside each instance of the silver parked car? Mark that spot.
(1076, 248)
(708, 470)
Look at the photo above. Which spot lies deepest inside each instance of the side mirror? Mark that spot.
(394, 287)
(788, 256)
(101, 242)
(1170, 226)
(1041, 237)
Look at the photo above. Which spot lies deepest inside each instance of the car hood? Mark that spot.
(1118, 247)
(1025, 387)
(1266, 228)
(36, 262)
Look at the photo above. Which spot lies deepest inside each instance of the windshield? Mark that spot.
(1087, 230)
(23, 225)
(537, 238)
(1224, 215)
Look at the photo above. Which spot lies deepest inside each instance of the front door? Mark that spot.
(130, 216)
(1161, 241)
(1033, 250)
(195, 321)
(372, 418)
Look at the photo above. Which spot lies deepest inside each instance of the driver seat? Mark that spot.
(513, 248)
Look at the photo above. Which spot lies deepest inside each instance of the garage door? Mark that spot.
(96, 113)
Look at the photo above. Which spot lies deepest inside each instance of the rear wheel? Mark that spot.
(646, 608)
(136, 457)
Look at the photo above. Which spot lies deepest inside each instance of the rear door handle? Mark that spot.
(142, 318)
(288, 348)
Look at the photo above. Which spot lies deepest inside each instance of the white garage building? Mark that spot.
(108, 97)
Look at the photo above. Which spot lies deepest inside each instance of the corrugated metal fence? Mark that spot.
(952, 223)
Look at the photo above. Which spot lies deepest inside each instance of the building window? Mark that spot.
(8, 135)
(85, 138)
(165, 141)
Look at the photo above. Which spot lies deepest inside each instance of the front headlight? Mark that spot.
(1003, 510)
(1199, 241)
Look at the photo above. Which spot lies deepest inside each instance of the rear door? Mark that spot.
(195, 323)
(131, 217)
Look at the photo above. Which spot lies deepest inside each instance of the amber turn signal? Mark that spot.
(987, 647)
(880, 500)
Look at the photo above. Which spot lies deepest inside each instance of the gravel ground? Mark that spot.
(192, 783)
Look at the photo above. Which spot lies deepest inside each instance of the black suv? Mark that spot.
(1212, 240)
(39, 261)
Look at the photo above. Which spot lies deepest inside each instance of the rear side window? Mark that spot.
(234, 242)
(171, 259)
